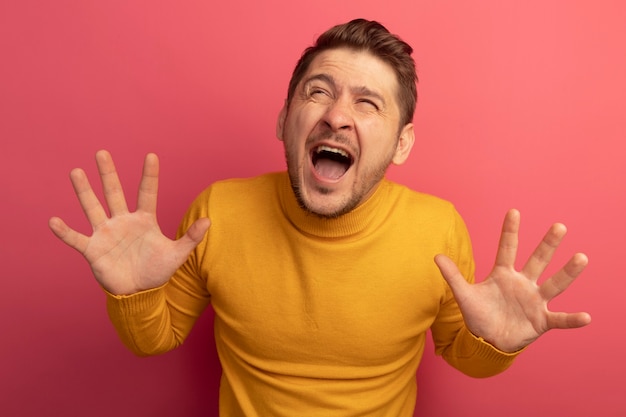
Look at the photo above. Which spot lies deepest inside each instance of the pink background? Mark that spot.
(521, 105)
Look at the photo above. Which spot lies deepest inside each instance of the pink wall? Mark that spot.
(521, 105)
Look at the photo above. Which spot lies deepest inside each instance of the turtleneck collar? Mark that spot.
(359, 222)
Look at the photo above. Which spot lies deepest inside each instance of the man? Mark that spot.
(324, 279)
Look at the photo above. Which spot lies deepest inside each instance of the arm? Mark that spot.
(129, 256)
(509, 309)
(453, 341)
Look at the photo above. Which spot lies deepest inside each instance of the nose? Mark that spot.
(338, 116)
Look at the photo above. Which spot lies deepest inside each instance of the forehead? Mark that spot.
(354, 69)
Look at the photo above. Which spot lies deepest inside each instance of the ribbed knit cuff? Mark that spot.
(135, 304)
(473, 345)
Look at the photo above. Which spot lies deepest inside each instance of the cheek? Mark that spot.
(302, 120)
(375, 139)
(294, 149)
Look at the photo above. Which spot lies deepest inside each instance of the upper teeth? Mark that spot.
(334, 150)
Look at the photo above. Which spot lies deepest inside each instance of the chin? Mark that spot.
(327, 207)
(321, 201)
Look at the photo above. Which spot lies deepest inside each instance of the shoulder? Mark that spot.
(240, 188)
(236, 197)
(426, 215)
(252, 184)
(433, 220)
(420, 205)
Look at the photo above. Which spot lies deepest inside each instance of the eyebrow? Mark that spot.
(360, 90)
(321, 77)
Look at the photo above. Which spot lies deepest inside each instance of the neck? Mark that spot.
(348, 225)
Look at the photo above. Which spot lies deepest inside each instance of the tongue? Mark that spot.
(330, 169)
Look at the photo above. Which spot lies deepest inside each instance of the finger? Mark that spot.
(192, 237)
(507, 247)
(196, 232)
(543, 253)
(88, 201)
(453, 277)
(113, 193)
(568, 320)
(69, 236)
(149, 185)
(560, 281)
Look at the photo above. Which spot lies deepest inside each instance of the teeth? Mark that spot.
(333, 150)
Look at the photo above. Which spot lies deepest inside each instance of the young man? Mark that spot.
(326, 278)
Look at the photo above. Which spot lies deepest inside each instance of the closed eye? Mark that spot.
(318, 94)
(369, 103)
(316, 91)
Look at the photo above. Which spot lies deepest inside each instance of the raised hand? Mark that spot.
(509, 309)
(127, 251)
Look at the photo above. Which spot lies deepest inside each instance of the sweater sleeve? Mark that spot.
(158, 320)
(453, 341)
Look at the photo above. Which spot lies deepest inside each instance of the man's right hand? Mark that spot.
(127, 251)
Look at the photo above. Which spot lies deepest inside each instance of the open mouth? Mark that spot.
(331, 163)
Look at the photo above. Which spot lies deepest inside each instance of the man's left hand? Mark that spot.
(509, 309)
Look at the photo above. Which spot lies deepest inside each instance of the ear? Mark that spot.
(405, 144)
(280, 122)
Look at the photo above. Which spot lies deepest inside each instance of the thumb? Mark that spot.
(195, 234)
(452, 275)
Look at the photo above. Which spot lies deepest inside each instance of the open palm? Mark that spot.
(509, 309)
(127, 251)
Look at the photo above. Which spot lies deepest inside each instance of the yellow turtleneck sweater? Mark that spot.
(315, 317)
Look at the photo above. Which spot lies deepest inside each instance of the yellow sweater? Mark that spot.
(315, 317)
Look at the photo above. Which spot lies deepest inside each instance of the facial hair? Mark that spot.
(363, 184)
